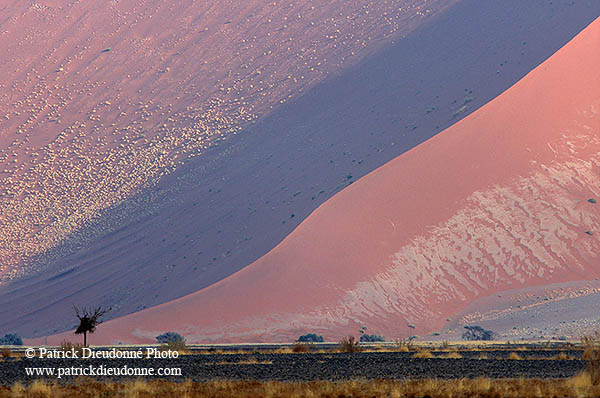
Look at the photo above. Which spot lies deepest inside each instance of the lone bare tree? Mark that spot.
(88, 321)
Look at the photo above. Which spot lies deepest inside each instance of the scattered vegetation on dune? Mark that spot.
(68, 133)
(578, 386)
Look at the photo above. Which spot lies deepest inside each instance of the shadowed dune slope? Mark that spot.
(498, 201)
(99, 101)
(229, 204)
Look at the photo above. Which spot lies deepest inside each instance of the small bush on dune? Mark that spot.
(178, 345)
(474, 333)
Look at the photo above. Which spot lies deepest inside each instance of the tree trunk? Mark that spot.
(85, 339)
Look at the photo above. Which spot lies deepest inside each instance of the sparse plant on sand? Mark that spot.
(404, 345)
(424, 354)
(5, 353)
(514, 356)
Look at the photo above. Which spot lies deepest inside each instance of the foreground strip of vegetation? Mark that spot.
(581, 385)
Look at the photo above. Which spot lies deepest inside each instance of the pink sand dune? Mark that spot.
(497, 201)
(264, 110)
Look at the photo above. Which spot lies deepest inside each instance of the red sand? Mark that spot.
(498, 201)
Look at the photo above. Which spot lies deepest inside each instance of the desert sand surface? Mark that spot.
(557, 311)
(101, 100)
(231, 124)
(503, 199)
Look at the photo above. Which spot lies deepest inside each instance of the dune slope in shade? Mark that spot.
(102, 99)
(497, 201)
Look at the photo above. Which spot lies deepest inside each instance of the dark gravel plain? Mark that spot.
(321, 366)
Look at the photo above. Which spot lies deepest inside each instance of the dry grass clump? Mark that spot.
(5, 353)
(301, 347)
(562, 356)
(423, 354)
(350, 344)
(403, 345)
(68, 346)
(578, 386)
(248, 361)
(450, 355)
(591, 353)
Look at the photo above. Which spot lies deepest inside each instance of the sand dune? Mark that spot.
(153, 149)
(102, 100)
(498, 201)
